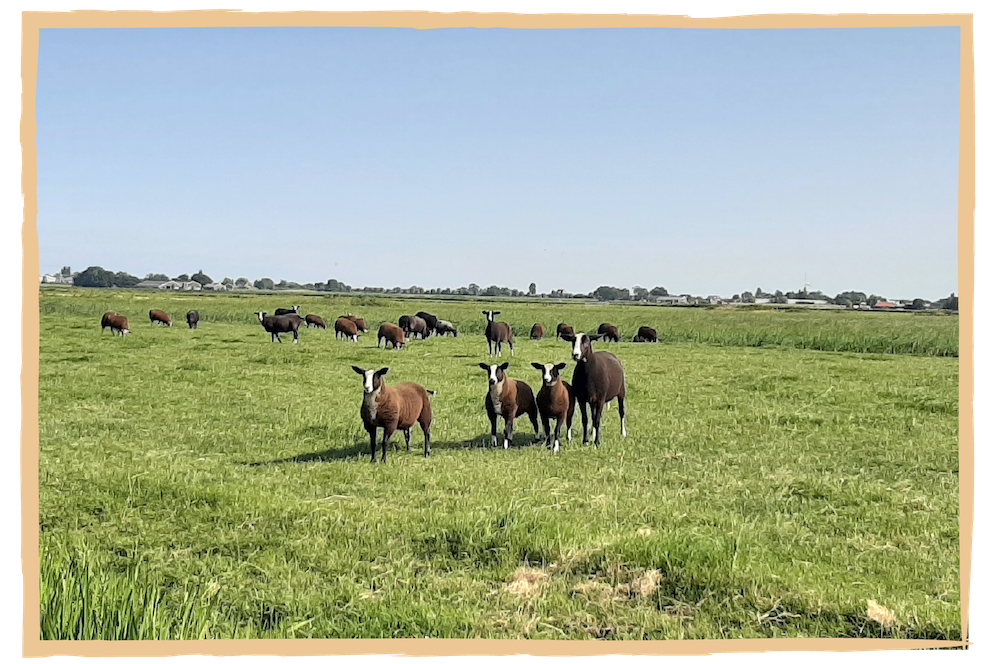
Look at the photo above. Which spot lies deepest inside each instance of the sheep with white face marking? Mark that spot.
(508, 399)
(115, 323)
(360, 324)
(347, 329)
(554, 401)
(496, 333)
(283, 312)
(397, 407)
(159, 317)
(277, 325)
(598, 378)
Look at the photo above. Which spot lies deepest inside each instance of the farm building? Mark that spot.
(673, 299)
(170, 285)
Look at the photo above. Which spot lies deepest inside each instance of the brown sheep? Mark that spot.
(159, 317)
(283, 312)
(496, 333)
(315, 321)
(116, 323)
(564, 328)
(646, 334)
(346, 328)
(192, 317)
(598, 378)
(536, 333)
(397, 407)
(608, 332)
(555, 401)
(509, 399)
(391, 334)
(360, 324)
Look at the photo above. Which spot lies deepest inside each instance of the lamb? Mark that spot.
(564, 328)
(555, 401)
(397, 407)
(316, 321)
(414, 325)
(192, 318)
(283, 312)
(158, 316)
(608, 332)
(430, 320)
(510, 399)
(496, 333)
(346, 328)
(116, 323)
(646, 334)
(360, 324)
(444, 328)
(598, 378)
(537, 332)
(277, 325)
(391, 334)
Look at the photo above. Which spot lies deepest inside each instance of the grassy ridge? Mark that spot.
(845, 331)
(224, 482)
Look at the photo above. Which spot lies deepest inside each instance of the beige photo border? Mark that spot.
(33, 22)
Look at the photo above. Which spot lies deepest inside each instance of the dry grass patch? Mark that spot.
(526, 582)
(880, 614)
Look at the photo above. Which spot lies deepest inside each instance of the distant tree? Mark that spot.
(779, 298)
(94, 277)
(182, 277)
(760, 293)
(282, 284)
(228, 282)
(242, 282)
(607, 293)
(658, 291)
(124, 280)
(948, 303)
(266, 283)
(532, 289)
(157, 276)
(66, 271)
(874, 299)
(747, 297)
(201, 278)
(918, 304)
(473, 289)
(736, 297)
(639, 293)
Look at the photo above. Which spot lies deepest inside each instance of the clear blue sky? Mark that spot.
(705, 161)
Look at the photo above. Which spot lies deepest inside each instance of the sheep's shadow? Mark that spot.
(519, 440)
(360, 449)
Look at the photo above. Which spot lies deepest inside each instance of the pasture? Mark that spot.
(782, 469)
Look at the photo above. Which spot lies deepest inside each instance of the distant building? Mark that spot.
(171, 285)
(673, 299)
(57, 279)
(215, 286)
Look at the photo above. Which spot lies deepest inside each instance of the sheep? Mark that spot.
(496, 333)
(414, 325)
(192, 318)
(360, 324)
(115, 323)
(555, 401)
(564, 328)
(346, 328)
(316, 321)
(537, 332)
(397, 407)
(391, 334)
(646, 334)
(598, 378)
(608, 332)
(159, 317)
(283, 312)
(277, 325)
(510, 399)
(444, 328)
(430, 320)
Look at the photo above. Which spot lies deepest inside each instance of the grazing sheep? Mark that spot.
(192, 318)
(537, 332)
(283, 312)
(608, 332)
(430, 320)
(564, 328)
(555, 401)
(159, 317)
(414, 325)
(646, 334)
(397, 407)
(277, 325)
(360, 324)
(315, 321)
(509, 399)
(496, 333)
(346, 328)
(598, 378)
(392, 335)
(444, 328)
(116, 323)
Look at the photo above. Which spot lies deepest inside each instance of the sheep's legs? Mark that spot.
(508, 431)
(621, 414)
(584, 420)
(596, 412)
(495, 424)
(372, 444)
(406, 434)
(427, 441)
(546, 428)
(536, 426)
(386, 438)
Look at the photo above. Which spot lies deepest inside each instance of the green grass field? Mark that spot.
(782, 469)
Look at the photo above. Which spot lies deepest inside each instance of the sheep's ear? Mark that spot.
(504, 367)
(359, 370)
(485, 312)
(560, 367)
(496, 313)
(567, 337)
(594, 337)
(537, 366)
(483, 366)
(383, 371)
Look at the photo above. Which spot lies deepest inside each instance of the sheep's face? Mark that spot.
(550, 372)
(124, 331)
(372, 380)
(496, 372)
(490, 315)
(580, 345)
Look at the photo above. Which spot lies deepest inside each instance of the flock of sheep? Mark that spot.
(598, 375)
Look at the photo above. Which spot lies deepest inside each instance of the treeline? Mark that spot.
(97, 277)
